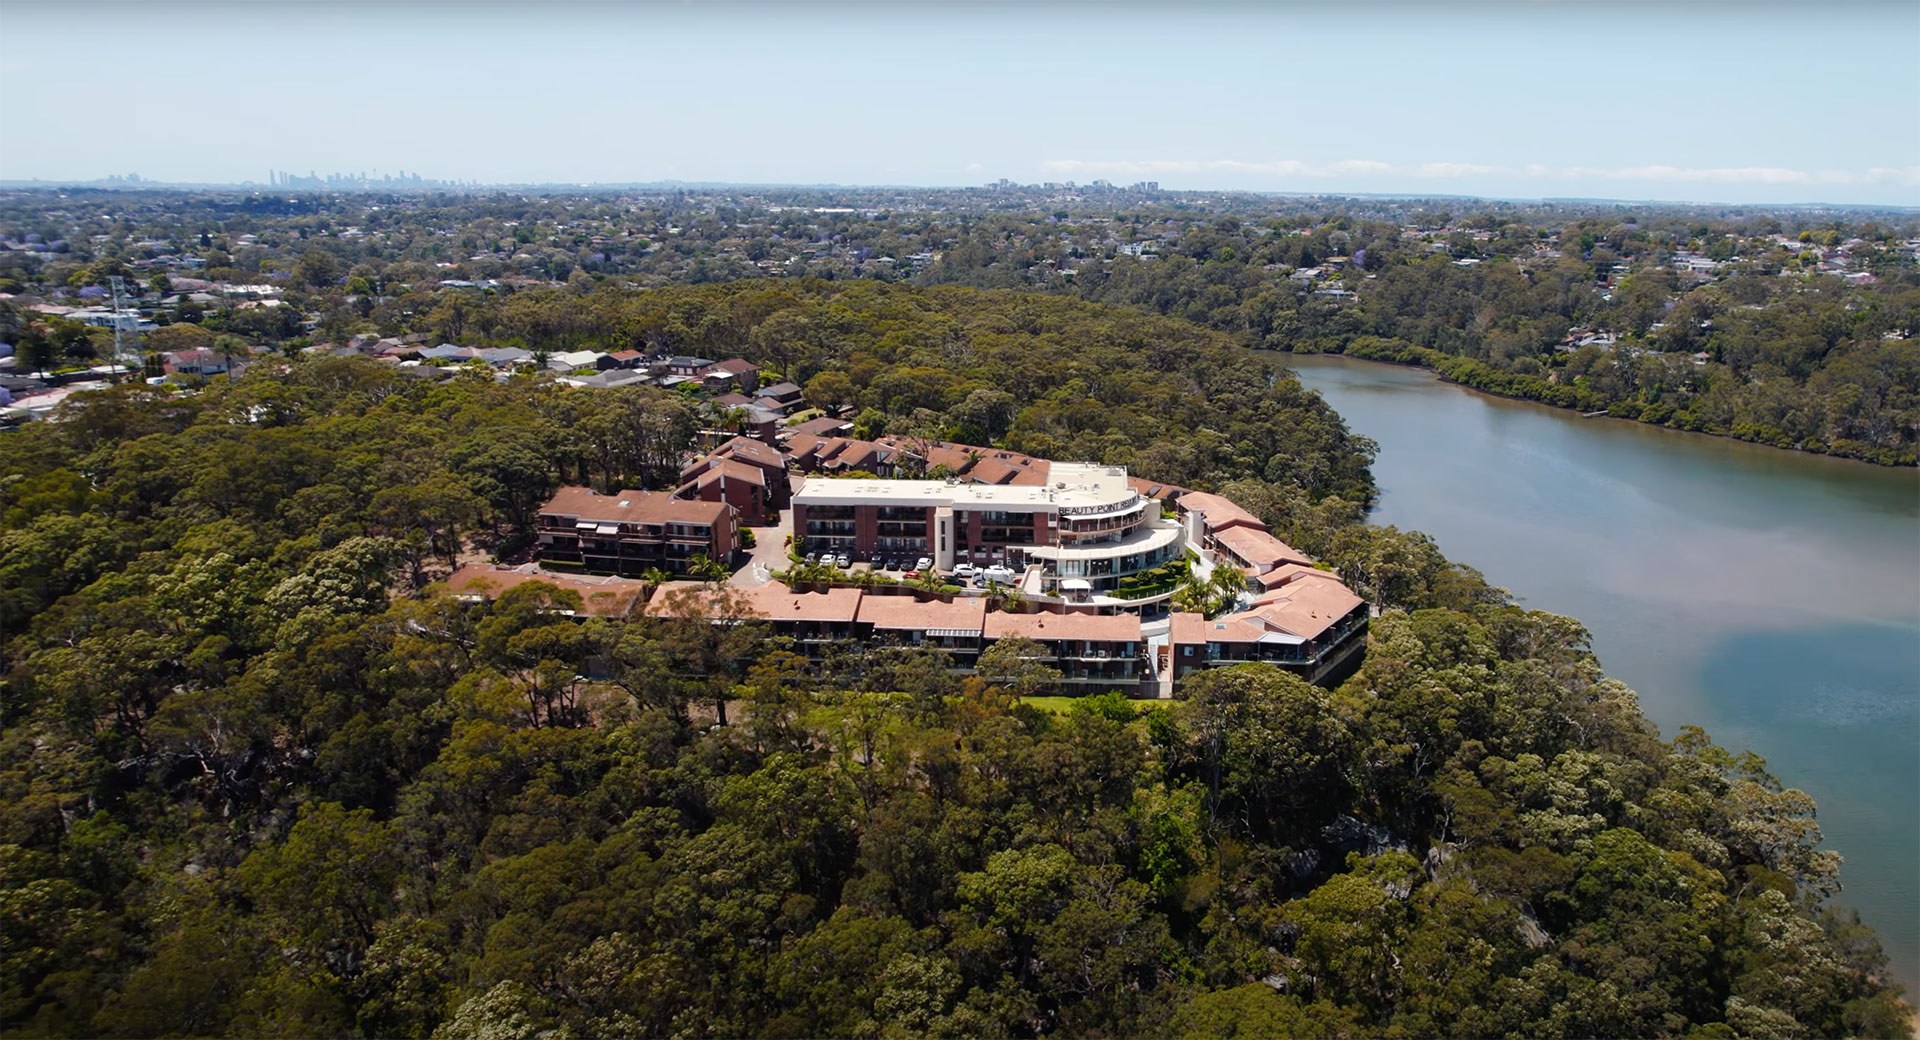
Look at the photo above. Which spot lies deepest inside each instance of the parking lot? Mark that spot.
(902, 566)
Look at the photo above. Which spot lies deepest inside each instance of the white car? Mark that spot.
(926, 563)
(965, 570)
(844, 561)
(1003, 575)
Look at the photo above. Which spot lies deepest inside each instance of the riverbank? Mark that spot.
(1767, 596)
(1483, 378)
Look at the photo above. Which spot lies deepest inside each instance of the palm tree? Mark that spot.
(803, 574)
(709, 570)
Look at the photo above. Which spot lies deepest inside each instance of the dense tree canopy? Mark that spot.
(263, 776)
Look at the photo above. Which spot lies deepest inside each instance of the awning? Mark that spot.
(607, 529)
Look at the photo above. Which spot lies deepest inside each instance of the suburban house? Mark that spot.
(199, 361)
(782, 395)
(605, 380)
(734, 372)
(690, 367)
(632, 532)
(568, 361)
(751, 420)
(505, 357)
(823, 426)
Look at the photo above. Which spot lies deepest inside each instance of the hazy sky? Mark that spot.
(1726, 101)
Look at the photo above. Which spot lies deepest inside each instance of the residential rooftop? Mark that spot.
(1072, 485)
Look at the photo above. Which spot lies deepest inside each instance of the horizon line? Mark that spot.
(434, 185)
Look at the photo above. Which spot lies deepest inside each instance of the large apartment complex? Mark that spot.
(632, 532)
(1092, 653)
(1086, 528)
(1078, 541)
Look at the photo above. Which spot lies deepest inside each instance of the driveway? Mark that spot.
(769, 553)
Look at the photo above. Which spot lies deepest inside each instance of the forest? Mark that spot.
(1779, 345)
(264, 776)
(1788, 326)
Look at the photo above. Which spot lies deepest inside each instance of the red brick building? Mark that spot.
(633, 531)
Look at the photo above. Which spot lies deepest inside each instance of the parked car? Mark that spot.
(811, 557)
(965, 570)
(844, 562)
(1003, 575)
(926, 563)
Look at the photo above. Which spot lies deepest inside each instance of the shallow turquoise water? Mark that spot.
(1771, 597)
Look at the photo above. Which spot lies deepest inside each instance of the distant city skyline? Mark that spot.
(1683, 101)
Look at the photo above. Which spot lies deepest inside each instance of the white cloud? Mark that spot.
(1905, 176)
(1454, 169)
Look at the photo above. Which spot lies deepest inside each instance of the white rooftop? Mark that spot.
(1070, 484)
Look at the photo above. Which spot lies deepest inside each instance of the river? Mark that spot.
(1770, 597)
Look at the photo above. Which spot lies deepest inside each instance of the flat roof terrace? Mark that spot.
(1072, 487)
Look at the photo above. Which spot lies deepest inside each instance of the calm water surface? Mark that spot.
(1771, 597)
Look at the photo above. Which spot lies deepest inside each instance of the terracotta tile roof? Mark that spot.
(1290, 572)
(1151, 489)
(995, 471)
(1034, 475)
(632, 507)
(1187, 628)
(1304, 608)
(1261, 550)
(824, 426)
(771, 602)
(759, 453)
(975, 463)
(1118, 628)
(600, 597)
(849, 453)
(956, 457)
(908, 614)
(737, 366)
(776, 602)
(802, 447)
(730, 470)
(1195, 630)
(1220, 513)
